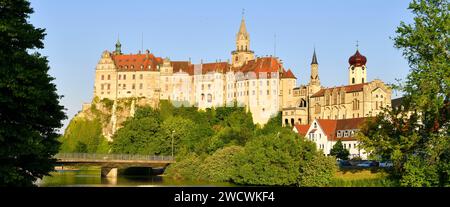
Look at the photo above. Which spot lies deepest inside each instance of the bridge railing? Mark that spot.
(93, 156)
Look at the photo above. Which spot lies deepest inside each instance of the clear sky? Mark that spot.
(79, 30)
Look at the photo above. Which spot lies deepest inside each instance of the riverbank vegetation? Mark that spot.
(223, 145)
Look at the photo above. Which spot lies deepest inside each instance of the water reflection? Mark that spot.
(91, 177)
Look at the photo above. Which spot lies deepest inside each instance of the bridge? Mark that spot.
(109, 163)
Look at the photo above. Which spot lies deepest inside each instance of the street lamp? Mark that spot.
(173, 131)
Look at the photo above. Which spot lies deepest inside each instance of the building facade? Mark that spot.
(356, 100)
(325, 133)
(261, 84)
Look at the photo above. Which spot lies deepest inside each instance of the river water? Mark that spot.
(90, 177)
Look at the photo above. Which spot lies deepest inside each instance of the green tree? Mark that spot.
(339, 151)
(221, 165)
(186, 169)
(317, 172)
(416, 136)
(138, 136)
(30, 112)
(272, 159)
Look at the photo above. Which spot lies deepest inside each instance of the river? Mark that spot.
(90, 177)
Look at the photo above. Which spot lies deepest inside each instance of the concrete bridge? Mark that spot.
(109, 163)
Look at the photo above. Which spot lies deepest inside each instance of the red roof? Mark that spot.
(220, 67)
(330, 127)
(302, 129)
(183, 66)
(137, 62)
(288, 74)
(347, 89)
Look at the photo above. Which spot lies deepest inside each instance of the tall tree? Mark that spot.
(339, 151)
(417, 136)
(30, 112)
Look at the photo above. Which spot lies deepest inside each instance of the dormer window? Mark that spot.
(315, 125)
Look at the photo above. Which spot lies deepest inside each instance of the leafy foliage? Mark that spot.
(83, 135)
(416, 136)
(30, 112)
(339, 151)
(318, 171)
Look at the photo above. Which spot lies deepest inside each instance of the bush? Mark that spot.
(220, 166)
(319, 171)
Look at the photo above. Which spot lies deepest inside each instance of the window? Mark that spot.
(315, 125)
(268, 92)
(345, 146)
(120, 77)
(102, 86)
(362, 80)
(109, 77)
(103, 77)
(286, 122)
(133, 86)
(253, 92)
(209, 98)
(317, 108)
(353, 80)
(268, 82)
(124, 86)
(134, 76)
(292, 122)
(124, 77)
(109, 86)
(141, 76)
(140, 86)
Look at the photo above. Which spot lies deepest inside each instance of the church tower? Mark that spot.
(314, 82)
(242, 54)
(357, 69)
(118, 50)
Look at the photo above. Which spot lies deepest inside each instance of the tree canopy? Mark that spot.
(30, 112)
(416, 136)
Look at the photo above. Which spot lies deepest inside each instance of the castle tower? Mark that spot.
(242, 54)
(357, 69)
(314, 82)
(118, 50)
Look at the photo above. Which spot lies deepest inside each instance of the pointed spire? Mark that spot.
(118, 47)
(242, 28)
(314, 58)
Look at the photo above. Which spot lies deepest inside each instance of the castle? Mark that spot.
(261, 84)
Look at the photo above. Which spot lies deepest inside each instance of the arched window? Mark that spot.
(300, 121)
(362, 80)
(353, 80)
(286, 122)
(246, 48)
(292, 121)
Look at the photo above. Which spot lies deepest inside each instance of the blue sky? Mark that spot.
(79, 30)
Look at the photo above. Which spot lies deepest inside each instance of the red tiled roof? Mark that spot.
(288, 74)
(261, 66)
(184, 66)
(330, 127)
(302, 129)
(220, 67)
(347, 89)
(137, 62)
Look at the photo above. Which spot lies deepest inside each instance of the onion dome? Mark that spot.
(357, 59)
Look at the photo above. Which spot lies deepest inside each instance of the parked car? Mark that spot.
(386, 164)
(344, 163)
(368, 163)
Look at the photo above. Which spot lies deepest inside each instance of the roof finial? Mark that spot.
(357, 45)
(243, 13)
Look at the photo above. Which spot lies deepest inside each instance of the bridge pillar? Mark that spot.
(109, 172)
